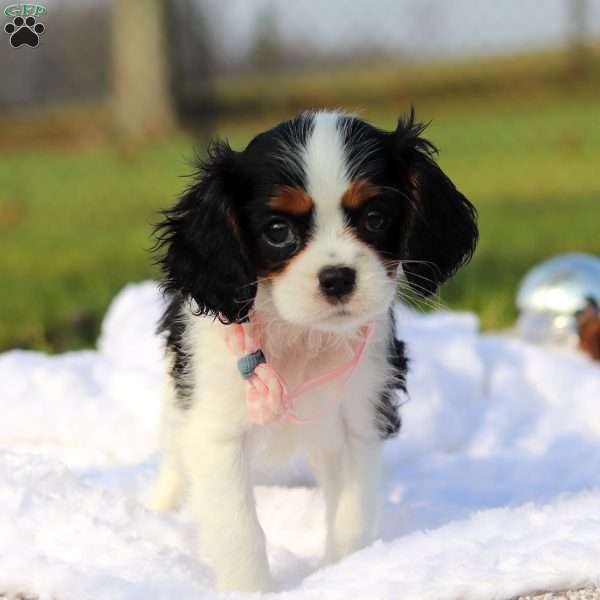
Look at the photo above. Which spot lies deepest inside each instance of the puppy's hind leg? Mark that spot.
(167, 490)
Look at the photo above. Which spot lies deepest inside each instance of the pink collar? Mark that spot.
(267, 395)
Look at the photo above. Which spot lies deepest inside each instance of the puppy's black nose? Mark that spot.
(337, 282)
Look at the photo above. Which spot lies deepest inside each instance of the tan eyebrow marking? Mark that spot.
(292, 200)
(358, 192)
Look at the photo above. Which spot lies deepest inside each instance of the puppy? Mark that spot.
(304, 236)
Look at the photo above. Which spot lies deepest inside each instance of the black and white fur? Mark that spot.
(322, 193)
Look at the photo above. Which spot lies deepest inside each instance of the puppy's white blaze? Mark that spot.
(326, 169)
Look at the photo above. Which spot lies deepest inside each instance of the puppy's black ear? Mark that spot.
(204, 255)
(442, 233)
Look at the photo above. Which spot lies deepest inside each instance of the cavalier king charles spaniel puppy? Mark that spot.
(281, 265)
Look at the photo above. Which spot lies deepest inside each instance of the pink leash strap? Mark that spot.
(338, 371)
(267, 396)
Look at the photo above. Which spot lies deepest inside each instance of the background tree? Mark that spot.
(142, 101)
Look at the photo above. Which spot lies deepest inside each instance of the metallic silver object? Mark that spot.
(551, 294)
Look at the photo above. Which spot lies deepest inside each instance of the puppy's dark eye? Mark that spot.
(278, 233)
(375, 222)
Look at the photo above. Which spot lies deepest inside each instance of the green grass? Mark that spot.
(75, 224)
(531, 171)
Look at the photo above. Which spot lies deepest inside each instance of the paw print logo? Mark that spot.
(24, 31)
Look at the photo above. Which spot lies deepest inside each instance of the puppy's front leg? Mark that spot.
(357, 507)
(221, 497)
(326, 467)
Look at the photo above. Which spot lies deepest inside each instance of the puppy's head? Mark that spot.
(323, 212)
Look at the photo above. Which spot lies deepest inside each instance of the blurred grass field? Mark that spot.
(75, 220)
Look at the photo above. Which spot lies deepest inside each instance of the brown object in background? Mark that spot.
(588, 327)
(142, 103)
